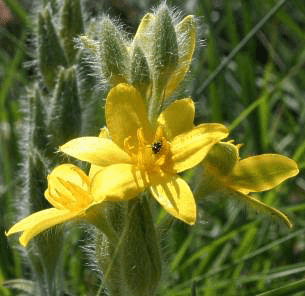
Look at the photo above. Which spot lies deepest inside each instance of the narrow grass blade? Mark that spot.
(241, 44)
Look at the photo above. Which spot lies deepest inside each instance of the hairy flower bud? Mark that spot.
(64, 120)
(114, 56)
(71, 26)
(164, 51)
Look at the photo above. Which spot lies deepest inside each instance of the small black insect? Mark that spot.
(156, 147)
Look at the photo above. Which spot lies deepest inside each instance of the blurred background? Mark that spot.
(249, 73)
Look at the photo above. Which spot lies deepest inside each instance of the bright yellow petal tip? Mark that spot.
(38, 222)
(262, 172)
(177, 199)
(190, 148)
(168, 118)
(96, 150)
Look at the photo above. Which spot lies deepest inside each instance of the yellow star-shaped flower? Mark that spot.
(68, 192)
(224, 171)
(138, 155)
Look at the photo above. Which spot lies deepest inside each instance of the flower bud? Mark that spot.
(186, 38)
(164, 51)
(114, 56)
(64, 122)
(37, 118)
(71, 26)
(222, 157)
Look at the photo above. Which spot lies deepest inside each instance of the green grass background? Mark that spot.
(248, 73)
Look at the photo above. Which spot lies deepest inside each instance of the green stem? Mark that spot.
(100, 222)
(118, 247)
(155, 104)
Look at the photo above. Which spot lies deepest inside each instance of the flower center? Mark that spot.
(150, 157)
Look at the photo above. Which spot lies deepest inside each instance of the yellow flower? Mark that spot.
(68, 192)
(139, 156)
(224, 171)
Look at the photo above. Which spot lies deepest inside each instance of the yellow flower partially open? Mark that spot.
(186, 40)
(68, 192)
(223, 170)
(139, 156)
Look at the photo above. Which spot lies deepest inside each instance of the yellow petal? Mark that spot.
(190, 148)
(98, 151)
(104, 133)
(122, 182)
(186, 32)
(116, 182)
(177, 198)
(262, 172)
(143, 34)
(40, 221)
(125, 114)
(94, 169)
(70, 173)
(175, 79)
(182, 109)
(68, 188)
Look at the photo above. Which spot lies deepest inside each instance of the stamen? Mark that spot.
(127, 146)
(140, 136)
(149, 156)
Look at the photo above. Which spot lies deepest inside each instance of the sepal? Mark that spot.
(140, 73)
